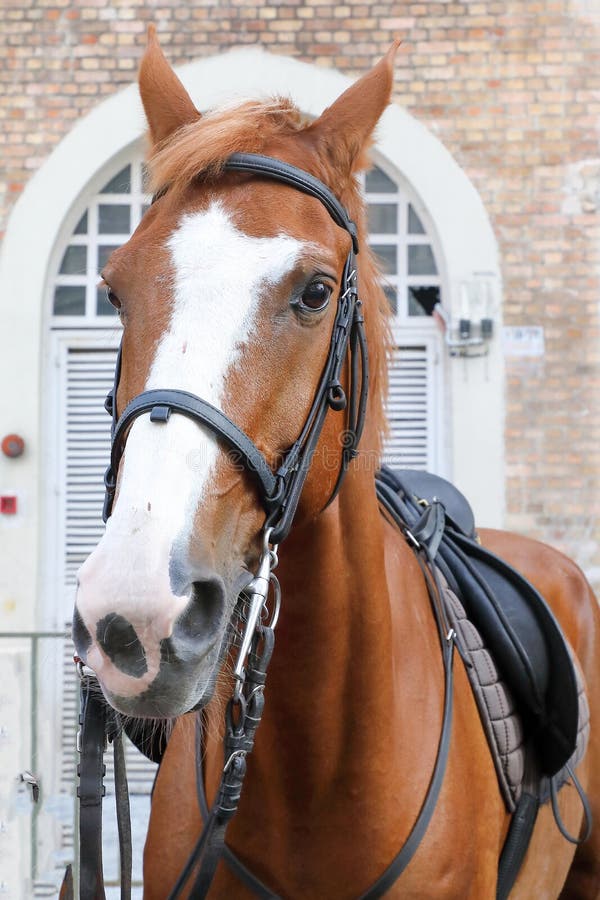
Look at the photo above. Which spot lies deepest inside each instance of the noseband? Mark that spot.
(279, 490)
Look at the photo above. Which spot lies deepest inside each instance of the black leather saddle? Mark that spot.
(515, 621)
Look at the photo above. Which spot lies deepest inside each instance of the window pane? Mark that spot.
(420, 260)
(69, 300)
(82, 225)
(415, 226)
(422, 300)
(103, 307)
(74, 262)
(387, 255)
(392, 294)
(377, 182)
(120, 183)
(383, 218)
(113, 219)
(104, 252)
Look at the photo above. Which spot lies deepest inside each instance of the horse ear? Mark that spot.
(167, 104)
(344, 130)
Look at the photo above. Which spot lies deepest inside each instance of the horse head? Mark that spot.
(227, 290)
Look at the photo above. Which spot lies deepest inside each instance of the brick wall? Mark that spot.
(513, 91)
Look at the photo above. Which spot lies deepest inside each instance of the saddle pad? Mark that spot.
(501, 722)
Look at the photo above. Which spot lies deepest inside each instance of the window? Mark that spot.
(109, 220)
(398, 236)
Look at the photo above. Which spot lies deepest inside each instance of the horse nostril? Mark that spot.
(117, 637)
(81, 636)
(202, 615)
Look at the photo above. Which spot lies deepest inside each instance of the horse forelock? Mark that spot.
(200, 149)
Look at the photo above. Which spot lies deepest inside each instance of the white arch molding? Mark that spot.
(463, 231)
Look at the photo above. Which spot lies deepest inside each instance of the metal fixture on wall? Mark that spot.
(470, 333)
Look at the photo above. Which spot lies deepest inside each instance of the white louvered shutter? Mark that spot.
(87, 377)
(410, 408)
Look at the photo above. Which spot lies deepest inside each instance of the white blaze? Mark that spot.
(219, 275)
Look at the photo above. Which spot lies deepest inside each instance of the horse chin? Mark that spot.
(174, 692)
(181, 685)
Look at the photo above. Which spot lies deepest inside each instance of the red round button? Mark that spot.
(13, 445)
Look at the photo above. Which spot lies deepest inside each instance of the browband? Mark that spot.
(277, 170)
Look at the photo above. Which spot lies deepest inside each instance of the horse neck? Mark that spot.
(330, 688)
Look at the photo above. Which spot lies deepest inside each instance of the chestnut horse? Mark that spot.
(228, 290)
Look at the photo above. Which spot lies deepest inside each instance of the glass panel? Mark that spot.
(415, 226)
(420, 260)
(145, 208)
(120, 183)
(422, 299)
(392, 294)
(377, 182)
(103, 307)
(69, 300)
(387, 255)
(113, 219)
(81, 227)
(74, 262)
(383, 218)
(104, 251)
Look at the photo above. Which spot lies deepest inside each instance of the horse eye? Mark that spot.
(112, 298)
(316, 296)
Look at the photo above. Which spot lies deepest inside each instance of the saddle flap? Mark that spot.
(517, 625)
(526, 639)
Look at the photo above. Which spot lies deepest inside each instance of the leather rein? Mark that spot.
(280, 493)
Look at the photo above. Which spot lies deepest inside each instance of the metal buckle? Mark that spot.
(412, 539)
(258, 592)
(83, 670)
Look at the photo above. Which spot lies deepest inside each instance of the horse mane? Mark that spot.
(200, 150)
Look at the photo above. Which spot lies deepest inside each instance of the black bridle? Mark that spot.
(279, 490)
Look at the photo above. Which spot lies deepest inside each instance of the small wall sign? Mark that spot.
(523, 340)
(8, 505)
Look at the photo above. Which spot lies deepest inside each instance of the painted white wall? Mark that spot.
(463, 230)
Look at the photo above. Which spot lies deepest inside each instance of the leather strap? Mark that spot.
(91, 771)
(400, 862)
(517, 841)
(231, 860)
(277, 170)
(123, 814)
